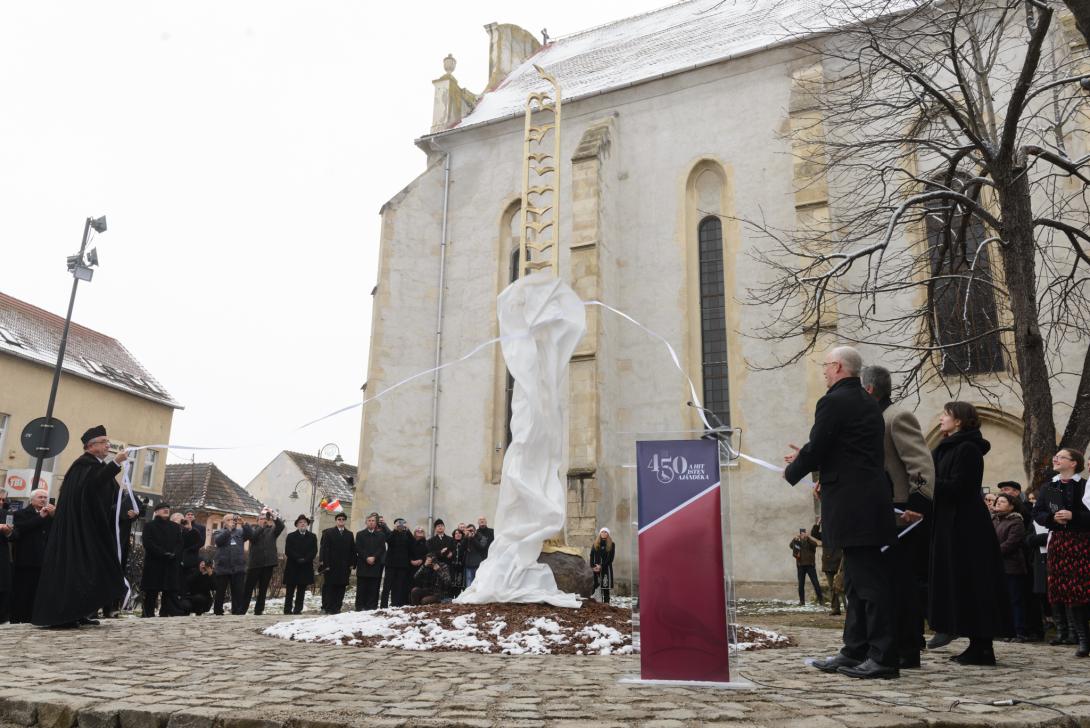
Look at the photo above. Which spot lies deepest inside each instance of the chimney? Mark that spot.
(508, 46)
(452, 102)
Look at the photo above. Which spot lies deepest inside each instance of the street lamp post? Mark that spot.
(329, 450)
(80, 266)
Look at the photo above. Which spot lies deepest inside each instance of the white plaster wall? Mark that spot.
(732, 112)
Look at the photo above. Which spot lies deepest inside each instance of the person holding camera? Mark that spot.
(440, 543)
(199, 587)
(432, 581)
(395, 587)
(370, 560)
(263, 557)
(804, 549)
(230, 563)
(602, 552)
(300, 548)
(476, 551)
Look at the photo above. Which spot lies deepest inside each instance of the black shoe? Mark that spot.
(832, 664)
(976, 657)
(941, 639)
(910, 662)
(870, 670)
(88, 621)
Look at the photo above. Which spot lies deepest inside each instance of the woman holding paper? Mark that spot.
(1063, 509)
(968, 595)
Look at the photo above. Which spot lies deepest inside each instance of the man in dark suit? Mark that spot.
(846, 448)
(911, 473)
(370, 558)
(32, 525)
(336, 557)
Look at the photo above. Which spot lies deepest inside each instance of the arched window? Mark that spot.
(962, 294)
(713, 320)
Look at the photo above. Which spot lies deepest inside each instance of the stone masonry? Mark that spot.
(209, 672)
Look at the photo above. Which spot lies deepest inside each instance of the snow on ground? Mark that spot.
(512, 629)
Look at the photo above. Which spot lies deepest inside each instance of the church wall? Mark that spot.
(730, 117)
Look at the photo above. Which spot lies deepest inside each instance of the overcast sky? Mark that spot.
(241, 152)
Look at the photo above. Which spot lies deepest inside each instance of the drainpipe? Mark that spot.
(438, 345)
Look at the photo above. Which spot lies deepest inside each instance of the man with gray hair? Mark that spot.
(846, 447)
(911, 473)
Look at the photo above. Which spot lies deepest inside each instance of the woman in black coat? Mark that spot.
(458, 562)
(300, 548)
(601, 562)
(968, 594)
(1063, 507)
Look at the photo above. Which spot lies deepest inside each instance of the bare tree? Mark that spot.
(955, 140)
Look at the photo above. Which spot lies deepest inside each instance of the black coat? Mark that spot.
(30, 537)
(417, 551)
(81, 570)
(489, 535)
(162, 556)
(337, 556)
(192, 541)
(5, 556)
(442, 545)
(847, 446)
(370, 544)
(968, 594)
(398, 545)
(477, 550)
(602, 556)
(299, 552)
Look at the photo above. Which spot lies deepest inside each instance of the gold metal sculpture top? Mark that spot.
(539, 231)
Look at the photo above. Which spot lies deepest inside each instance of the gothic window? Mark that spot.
(962, 294)
(713, 319)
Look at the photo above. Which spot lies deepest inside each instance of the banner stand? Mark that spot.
(691, 597)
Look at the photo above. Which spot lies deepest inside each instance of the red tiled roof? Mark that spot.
(203, 486)
(33, 333)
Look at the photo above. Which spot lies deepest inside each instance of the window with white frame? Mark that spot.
(148, 469)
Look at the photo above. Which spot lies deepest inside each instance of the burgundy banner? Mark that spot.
(683, 606)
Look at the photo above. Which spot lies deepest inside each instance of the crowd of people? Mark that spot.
(909, 533)
(64, 564)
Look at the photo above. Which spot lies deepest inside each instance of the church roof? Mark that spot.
(32, 333)
(203, 486)
(681, 37)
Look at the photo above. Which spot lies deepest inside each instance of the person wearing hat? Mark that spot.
(300, 548)
(162, 573)
(81, 570)
(440, 543)
(336, 557)
(396, 585)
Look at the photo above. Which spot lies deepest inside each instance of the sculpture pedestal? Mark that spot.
(572, 573)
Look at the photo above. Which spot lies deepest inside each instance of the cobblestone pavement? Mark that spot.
(218, 672)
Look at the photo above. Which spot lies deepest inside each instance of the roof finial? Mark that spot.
(544, 36)
(449, 63)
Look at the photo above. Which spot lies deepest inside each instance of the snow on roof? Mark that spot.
(683, 36)
(33, 333)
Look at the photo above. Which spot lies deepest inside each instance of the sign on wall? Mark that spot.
(683, 606)
(17, 482)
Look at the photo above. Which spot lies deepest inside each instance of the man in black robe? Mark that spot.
(847, 446)
(81, 570)
(32, 525)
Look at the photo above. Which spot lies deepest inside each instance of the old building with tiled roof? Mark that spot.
(292, 482)
(101, 383)
(206, 490)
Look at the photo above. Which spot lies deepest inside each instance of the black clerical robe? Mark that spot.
(81, 570)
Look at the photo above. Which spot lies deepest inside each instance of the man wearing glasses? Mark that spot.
(81, 570)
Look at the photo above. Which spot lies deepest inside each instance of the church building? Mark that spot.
(675, 124)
